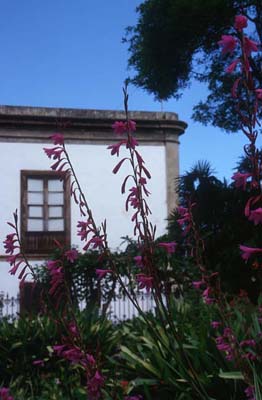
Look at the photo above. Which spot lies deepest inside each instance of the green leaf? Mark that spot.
(257, 386)
(231, 375)
(133, 357)
(16, 345)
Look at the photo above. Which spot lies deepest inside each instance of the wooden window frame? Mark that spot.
(45, 236)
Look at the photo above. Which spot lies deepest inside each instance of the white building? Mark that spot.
(43, 202)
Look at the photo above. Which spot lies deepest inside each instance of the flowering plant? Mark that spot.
(241, 348)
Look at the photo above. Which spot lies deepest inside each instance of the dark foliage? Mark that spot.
(175, 41)
(219, 216)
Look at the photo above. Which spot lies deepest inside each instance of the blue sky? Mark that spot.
(68, 53)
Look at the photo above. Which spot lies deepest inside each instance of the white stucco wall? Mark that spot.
(93, 165)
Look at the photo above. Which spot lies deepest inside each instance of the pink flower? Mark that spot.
(231, 68)
(133, 198)
(102, 272)
(241, 179)
(259, 94)
(197, 284)
(58, 349)
(54, 153)
(96, 242)
(90, 359)
(56, 275)
(119, 127)
(85, 227)
(208, 292)
(71, 255)
(226, 343)
(10, 243)
(248, 342)
(240, 22)
(144, 281)
(249, 46)
(73, 329)
(136, 397)
(182, 210)
(15, 267)
(73, 354)
(4, 394)
(41, 363)
(235, 88)
(228, 44)
(139, 261)
(170, 247)
(57, 138)
(215, 324)
(256, 216)
(115, 148)
(250, 393)
(131, 143)
(131, 126)
(94, 386)
(247, 252)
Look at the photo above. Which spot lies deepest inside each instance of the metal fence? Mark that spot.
(121, 307)
(9, 306)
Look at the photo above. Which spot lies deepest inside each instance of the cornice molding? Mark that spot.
(81, 125)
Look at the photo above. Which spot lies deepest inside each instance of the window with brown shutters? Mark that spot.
(45, 211)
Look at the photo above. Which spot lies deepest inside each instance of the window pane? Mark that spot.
(35, 184)
(35, 211)
(55, 198)
(35, 198)
(55, 185)
(55, 212)
(35, 225)
(55, 224)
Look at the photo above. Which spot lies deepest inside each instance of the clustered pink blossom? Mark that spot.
(39, 363)
(94, 385)
(247, 252)
(75, 355)
(170, 247)
(71, 255)
(228, 44)
(135, 397)
(55, 269)
(240, 22)
(144, 282)
(139, 261)
(227, 343)
(5, 395)
(208, 287)
(215, 324)
(256, 216)
(248, 347)
(185, 220)
(241, 179)
(121, 127)
(101, 273)
(85, 229)
(136, 192)
(198, 284)
(14, 255)
(250, 393)
(57, 154)
(71, 353)
(57, 138)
